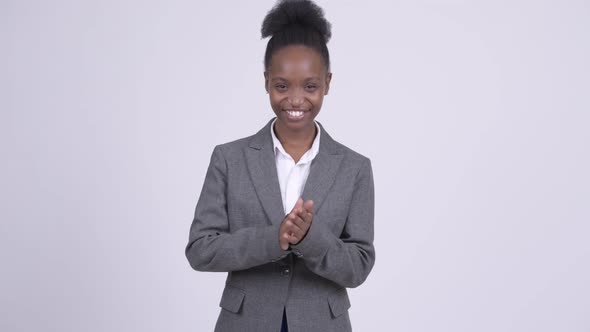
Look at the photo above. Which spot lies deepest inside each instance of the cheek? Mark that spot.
(275, 101)
(273, 97)
(317, 98)
(278, 99)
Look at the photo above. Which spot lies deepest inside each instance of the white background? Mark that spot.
(475, 114)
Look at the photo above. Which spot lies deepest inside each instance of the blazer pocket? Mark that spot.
(232, 298)
(339, 302)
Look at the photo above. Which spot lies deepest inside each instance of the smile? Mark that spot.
(295, 115)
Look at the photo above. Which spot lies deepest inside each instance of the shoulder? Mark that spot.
(331, 145)
(350, 157)
(355, 167)
(235, 152)
(232, 147)
(236, 148)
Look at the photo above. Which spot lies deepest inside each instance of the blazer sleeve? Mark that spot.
(347, 260)
(211, 246)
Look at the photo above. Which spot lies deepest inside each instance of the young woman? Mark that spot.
(288, 211)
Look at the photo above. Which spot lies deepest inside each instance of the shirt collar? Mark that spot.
(308, 156)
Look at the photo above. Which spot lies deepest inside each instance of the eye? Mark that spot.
(280, 86)
(311, 87)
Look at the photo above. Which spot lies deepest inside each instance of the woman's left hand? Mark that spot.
(297, 223)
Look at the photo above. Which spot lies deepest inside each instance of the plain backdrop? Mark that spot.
(475, 114)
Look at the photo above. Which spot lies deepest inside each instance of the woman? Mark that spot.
(288, 211)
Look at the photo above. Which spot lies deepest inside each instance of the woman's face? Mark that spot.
(297, 81)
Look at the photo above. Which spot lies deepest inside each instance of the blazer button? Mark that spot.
(286, 271)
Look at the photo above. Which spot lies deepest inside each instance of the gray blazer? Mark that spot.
(236, 225)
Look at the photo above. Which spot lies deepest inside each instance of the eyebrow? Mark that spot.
(284, 79)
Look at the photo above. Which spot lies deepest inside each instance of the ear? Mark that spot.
(328, 80)
(266, 81)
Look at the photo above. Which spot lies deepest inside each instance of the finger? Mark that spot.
(301, 211)
(308, 218)
(294, 225)
(294, 240)
(284, 241)
(291, 216)
(298, 235)
(308, 205)
(300, 222)
(298, 206)
(306, 215)
(299, 202)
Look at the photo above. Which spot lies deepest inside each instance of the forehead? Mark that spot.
(296, 61)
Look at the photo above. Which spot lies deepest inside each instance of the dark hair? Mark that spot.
(296, 22)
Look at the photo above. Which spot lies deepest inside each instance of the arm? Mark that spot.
(211, 247)
(348, 259)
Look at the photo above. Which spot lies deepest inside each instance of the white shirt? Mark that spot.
(292, 176)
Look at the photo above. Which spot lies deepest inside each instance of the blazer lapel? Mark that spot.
(260, 159)
(261, 163)
(323, 170)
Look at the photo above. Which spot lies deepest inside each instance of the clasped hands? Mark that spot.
(296, 224)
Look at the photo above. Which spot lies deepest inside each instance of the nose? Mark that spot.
(296, 98)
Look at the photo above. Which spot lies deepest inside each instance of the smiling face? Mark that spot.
(297, 81)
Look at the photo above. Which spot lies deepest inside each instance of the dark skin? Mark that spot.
(297, 81)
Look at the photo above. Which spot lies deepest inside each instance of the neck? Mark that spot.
(299, 139)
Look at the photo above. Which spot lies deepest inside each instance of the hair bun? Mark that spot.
(303, 13)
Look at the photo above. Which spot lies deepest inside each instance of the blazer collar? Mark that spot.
(307, 156)
(263, 140)
(260, 160)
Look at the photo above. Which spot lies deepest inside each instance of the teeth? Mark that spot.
(295, 113)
